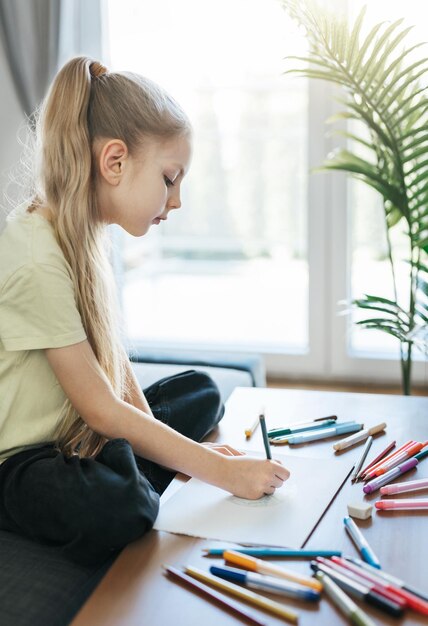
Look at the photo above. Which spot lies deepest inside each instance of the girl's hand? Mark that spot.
(252, 478)
(223, 448)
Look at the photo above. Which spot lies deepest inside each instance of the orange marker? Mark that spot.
(400, 458)
(257, 565)
(389, 457)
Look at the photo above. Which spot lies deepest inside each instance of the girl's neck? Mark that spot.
(40, 210)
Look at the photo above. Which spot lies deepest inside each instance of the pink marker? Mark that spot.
(409, 504)
(411, 485)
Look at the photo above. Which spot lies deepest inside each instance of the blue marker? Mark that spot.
(323, 433)
(365, 550)
(265, 583)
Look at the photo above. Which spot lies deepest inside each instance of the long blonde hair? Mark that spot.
(86, 102)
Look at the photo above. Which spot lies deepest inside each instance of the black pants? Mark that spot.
(93, 507)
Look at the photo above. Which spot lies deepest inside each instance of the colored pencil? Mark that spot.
(379, 457)
(249, 431)
(215, 595)
(362, 458)
(244, 594)
(266, 552)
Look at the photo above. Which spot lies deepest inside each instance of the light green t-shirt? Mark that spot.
(37, 310)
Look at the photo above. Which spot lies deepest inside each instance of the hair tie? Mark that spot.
(97, 69)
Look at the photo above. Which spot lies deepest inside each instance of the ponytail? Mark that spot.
(85, 102)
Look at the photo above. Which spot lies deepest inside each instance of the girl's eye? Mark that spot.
(168, 181)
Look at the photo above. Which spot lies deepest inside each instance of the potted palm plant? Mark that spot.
(385, 91)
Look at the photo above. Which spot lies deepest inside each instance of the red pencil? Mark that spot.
(215, 595)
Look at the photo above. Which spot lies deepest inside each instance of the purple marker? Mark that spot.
(378, 482)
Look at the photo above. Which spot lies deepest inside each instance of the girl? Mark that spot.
(84, 450)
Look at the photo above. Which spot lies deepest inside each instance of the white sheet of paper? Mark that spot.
(284, 519)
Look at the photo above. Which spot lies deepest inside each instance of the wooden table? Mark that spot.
(136, 592)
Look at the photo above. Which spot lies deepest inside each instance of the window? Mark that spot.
(261, 252)
(226, 268)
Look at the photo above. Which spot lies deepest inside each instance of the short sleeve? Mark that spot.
(38, 309)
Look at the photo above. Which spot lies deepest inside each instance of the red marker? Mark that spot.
(413, 601)
(357, 577)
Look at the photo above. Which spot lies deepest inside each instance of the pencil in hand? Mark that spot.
(265, 436)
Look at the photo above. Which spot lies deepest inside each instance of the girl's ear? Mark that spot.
(111, 159)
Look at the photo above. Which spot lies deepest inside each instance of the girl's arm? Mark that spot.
(90, 392)
(135, 395)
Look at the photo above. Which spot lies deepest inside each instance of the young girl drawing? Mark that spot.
(84, 452)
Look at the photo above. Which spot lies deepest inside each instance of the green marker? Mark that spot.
(343, 602)
(280, 432)
(421, 455)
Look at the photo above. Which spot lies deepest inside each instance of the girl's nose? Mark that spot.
(174, 201)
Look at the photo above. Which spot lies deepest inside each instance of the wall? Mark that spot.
(11, 119)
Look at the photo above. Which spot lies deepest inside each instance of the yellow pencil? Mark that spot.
(258, 565)
(250, 431)
(244, 594)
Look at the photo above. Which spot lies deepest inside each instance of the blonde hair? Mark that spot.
(86, 102)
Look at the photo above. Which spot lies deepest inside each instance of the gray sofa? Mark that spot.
(38, 587)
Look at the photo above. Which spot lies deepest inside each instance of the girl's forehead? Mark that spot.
(177, 151)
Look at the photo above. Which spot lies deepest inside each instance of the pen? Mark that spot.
(411, 485)
(343, 602)
(380, 456)
(362, 458)
(244, 594)
(357, 437)
(215, 595)
(274, 552)
(265, 436)
(360, 590)
(249, 431)
(413, 601)
(266, 583)
(281, 432)
(257, 565)
(362, 545)
(406, 504)
(378, 482)
(339, 429)
(393, 580)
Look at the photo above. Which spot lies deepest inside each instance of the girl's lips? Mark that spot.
(158, 220)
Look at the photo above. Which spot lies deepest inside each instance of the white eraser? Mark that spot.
(360, 510)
